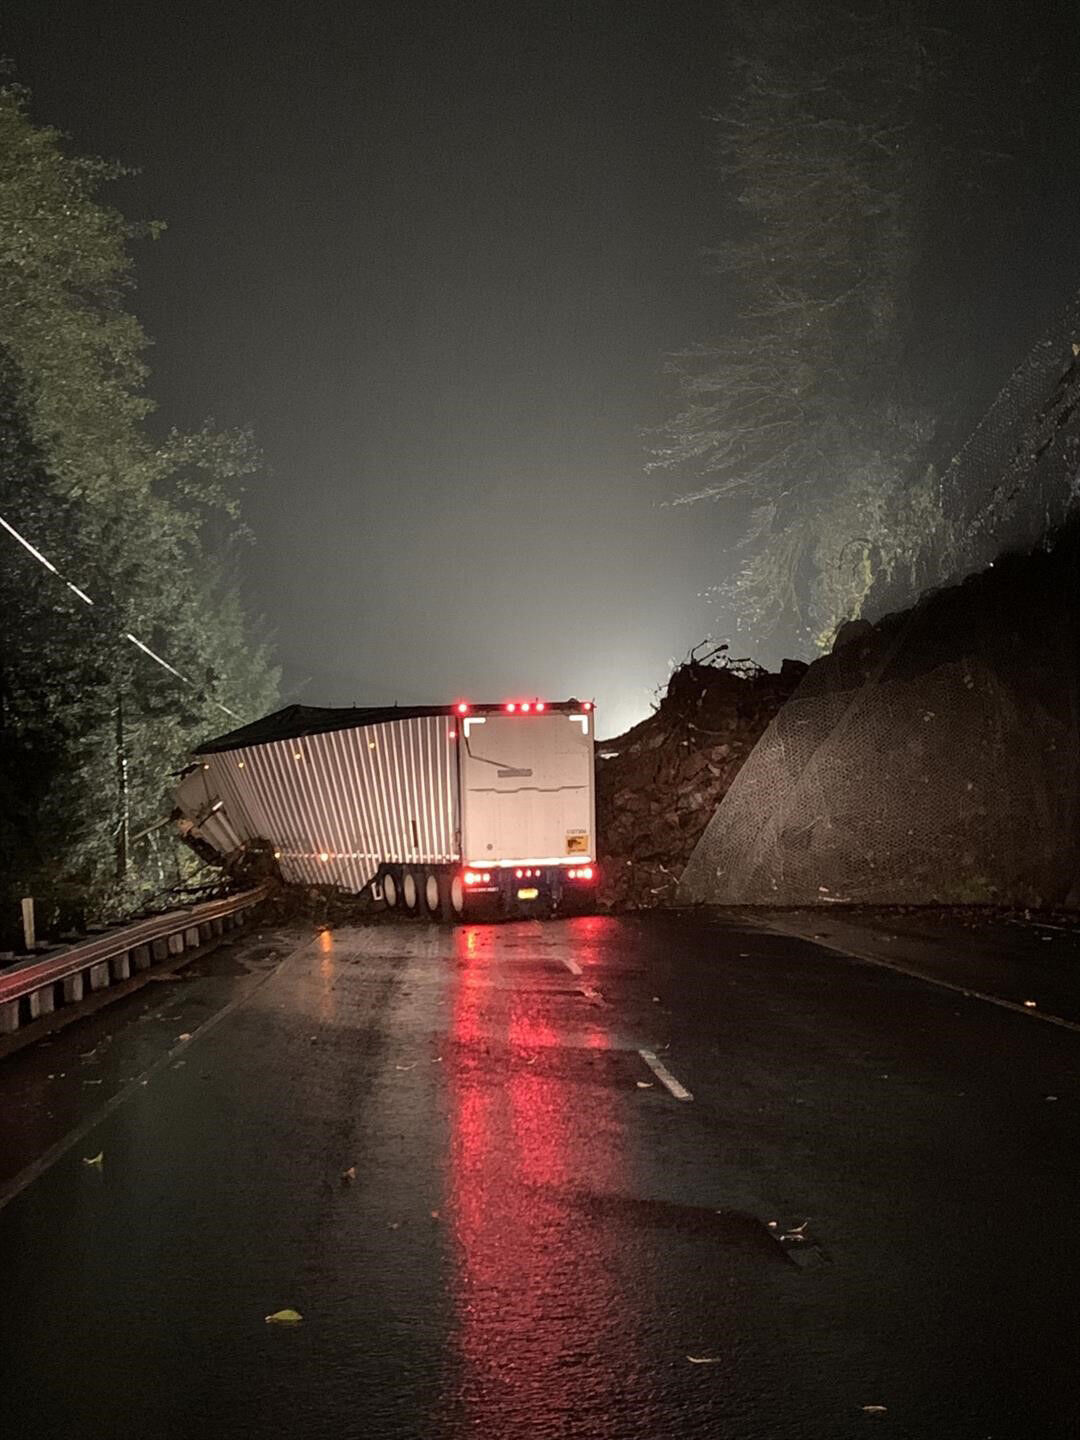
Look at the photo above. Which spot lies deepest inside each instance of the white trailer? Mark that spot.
(451, 810)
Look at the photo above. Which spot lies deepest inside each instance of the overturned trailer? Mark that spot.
(450, 810)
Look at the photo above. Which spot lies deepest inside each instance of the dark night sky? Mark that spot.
(435, 254)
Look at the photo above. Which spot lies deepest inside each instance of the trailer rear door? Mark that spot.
(527, 790)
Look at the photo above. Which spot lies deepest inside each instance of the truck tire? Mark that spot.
(457, 898)
(433, 900)
(410, 893)
(390, 891)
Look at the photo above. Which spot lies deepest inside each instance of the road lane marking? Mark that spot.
(838, 947)
(571, 965)
(48, 1158)
(664, 1075)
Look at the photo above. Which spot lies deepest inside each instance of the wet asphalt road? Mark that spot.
(871, 1199)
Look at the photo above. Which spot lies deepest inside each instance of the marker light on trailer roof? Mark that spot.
(539, 704)
(463, 708)
(510, 707)
(586, 705)
(525, 707)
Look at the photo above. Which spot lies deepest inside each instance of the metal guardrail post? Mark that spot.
(32, 989)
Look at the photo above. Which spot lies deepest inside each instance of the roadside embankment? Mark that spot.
(658, 786)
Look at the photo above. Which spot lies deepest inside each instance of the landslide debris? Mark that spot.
(658, 785)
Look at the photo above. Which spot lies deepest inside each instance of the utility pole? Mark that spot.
(123, 816)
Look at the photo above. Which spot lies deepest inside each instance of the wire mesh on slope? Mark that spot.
(932, 760)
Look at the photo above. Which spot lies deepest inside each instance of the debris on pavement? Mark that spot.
(284, 1317)
(704, 1359)
(349, 1175)
(98, 1160)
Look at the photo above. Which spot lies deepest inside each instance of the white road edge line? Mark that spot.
(861, 957)
(48, 1158)
(571, 965)
(664, 1075)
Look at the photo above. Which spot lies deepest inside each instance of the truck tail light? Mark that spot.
(477, 877)
(581, 872)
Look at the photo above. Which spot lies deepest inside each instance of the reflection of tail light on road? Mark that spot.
(536, 1290)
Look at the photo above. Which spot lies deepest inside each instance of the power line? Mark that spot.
(38, 556)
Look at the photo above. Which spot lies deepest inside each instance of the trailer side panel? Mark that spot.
(337, 804)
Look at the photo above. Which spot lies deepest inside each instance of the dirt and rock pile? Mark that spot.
(658, 785)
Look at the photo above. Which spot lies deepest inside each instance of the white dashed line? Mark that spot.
(664, 1075)
(571, 965)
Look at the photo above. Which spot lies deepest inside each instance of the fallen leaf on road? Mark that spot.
(1051, 1097)
(435, 1214)
(394, 1225)
(349, 1175)
(407, 1067)
(704, 1359)
(284, 1317)
(91, 1082)
(185, 1036)
(656, 999)
(644, 1085)
(98, 1159)
(873, 1409)
(1030, 1004)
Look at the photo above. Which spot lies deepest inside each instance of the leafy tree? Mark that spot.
(92, 729)
(802, 412)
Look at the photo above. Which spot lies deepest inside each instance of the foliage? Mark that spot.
(150, 530)
(800, 412)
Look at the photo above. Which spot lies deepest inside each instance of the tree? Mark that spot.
(93, 729)
(802, 412)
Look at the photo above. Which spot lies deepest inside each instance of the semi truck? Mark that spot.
(452, 811)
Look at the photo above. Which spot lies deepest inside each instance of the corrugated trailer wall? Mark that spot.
(387, 791)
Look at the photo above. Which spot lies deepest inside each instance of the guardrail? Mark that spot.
(34, 988)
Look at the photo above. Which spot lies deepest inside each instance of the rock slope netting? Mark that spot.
(658, 785)
(932, 758)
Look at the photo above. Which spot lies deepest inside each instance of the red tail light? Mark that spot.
(510, 708)
(477, 877)
(539, 704)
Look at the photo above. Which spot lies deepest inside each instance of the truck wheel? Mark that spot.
(409, 892)
(390, 891)
(432, 898)
(457, 898)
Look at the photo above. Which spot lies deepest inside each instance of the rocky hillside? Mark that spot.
(658, 785)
